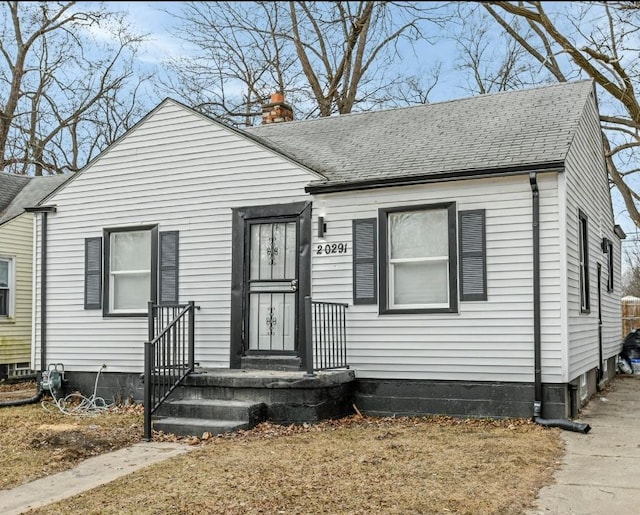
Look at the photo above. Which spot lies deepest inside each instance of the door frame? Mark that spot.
(239, 247)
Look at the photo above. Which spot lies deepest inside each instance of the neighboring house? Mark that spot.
(16, 259)
(473, 241)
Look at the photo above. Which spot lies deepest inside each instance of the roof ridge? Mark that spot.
(424, 105)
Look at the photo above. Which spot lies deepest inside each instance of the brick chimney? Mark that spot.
(276, 111)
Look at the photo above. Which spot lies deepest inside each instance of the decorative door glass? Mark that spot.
(272, 286)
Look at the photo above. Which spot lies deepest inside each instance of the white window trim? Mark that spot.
(111, 311)
(11, 312)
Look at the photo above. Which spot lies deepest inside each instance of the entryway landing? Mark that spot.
(223, 400)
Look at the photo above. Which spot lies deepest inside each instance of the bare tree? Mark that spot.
(328, 57)
(596, 40)
(631, 277)
(489, 59)
(68, 87)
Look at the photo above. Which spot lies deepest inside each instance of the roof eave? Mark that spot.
(553, 166)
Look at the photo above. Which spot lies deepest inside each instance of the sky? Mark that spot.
(155, 19)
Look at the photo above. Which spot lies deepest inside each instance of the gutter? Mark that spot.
(554, 166)
(569, 425)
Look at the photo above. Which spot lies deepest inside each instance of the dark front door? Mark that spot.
(271, 288)
(271, 276)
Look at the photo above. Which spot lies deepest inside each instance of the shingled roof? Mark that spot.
(10, 186)
(31, 190)
(497, 133)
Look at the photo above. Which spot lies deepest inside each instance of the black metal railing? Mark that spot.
(326, 338)
(168, 355)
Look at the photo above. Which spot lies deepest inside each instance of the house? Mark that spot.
(16, 259)
(470, 245)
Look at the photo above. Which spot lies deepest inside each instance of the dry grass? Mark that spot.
(356, 465)
(37, 440)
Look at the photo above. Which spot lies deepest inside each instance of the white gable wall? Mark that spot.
(588, 190)
(183, 172)
(486, 340)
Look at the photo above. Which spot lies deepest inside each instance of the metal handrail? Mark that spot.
(168, 356)
(326, 335)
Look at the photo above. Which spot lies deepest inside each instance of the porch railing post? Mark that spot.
(308, 325)
(148, 364)
(191, 357)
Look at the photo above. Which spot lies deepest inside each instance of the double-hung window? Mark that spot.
(130, 269)
(418, 272)
(6, 287)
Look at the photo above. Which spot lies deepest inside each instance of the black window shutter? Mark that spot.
(365, 287)
(473, 255)
(93, 273)
(168, 286)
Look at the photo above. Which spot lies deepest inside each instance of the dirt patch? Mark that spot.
(38, 439)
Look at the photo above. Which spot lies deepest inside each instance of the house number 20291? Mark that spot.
(331, 248)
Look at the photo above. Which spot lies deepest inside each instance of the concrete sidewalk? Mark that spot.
(89, 474)
(600, 472)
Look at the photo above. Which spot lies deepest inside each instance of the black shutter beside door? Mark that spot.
(168, 286)
(473, 255)
(93, 273)
(365, 284)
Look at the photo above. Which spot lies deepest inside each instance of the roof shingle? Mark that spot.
(33, 190)
(487, 132)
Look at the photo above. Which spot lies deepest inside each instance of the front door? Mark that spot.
(271, 288)
(271, 276)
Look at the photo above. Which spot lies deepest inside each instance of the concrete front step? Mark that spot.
(197, 426)
(215, 409)
(219, 400)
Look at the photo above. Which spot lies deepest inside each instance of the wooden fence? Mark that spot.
(630, 314)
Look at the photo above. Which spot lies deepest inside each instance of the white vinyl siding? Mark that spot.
(587, 190)
(184, 173)
(488, 340)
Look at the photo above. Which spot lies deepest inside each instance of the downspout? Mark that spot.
(43, 292)
(537, 340)
(44, 210)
